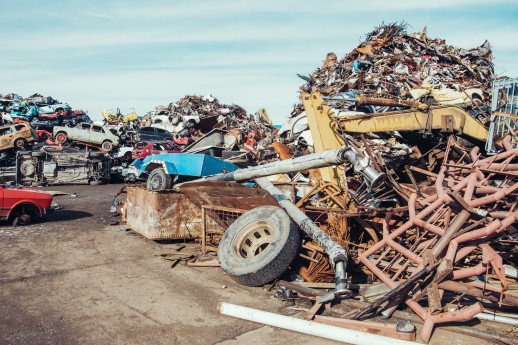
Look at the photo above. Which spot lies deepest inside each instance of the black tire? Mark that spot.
(128, 157)
(22, 220)
(20, 143)
(258, 264)
(130, 178)
(107, 145)
(159, 180)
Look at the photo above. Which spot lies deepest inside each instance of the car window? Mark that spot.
(160, 130)
(146, 129)
(97, 129)
(20, 127)
(85, 126)
(5, 130)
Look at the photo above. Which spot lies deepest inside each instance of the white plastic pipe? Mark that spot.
(308, 327)
(497, 318)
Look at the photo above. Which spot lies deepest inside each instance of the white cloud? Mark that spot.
(104, 54)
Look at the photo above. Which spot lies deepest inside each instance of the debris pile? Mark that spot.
(201, 112)
(383, 172)
(192, 117)
(42, 112)
(391, 64)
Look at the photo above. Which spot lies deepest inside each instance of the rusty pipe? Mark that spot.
(464, 314)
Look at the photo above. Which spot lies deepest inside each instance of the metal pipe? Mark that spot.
(308, 327)
(311, 161)
(337, 254)
(333, 249)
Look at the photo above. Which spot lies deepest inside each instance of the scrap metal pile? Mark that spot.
(403, 68)
(192, 116)
(42, 112)
(194, 124)
(418, 214)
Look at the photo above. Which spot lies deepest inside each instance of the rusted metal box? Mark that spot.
(178, 214)
(162, 215)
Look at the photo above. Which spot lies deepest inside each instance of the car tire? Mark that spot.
(259, 246)
(159, 180)
(20, 143)
(22, 220)
(130, 178)
(128, 157)
(27, 168)
(107, 145)
(61, 138)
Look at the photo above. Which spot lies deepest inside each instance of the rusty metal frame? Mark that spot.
(452, 224)
(221, 215)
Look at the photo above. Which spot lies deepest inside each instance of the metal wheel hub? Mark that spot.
(156, 182)
(253, 239)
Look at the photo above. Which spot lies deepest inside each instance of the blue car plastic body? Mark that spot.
(52, 108)
(182, 164)
(23, 111)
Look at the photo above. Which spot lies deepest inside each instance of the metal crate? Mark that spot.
(504, 100)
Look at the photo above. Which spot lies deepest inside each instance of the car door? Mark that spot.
(162, 134)
(97, 135)
(11, 134)
(5, 141)
(146, 134)
(80, 132)
(3, 211)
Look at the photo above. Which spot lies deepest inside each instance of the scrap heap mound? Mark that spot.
(204, 106)
(194, 108)
(393, 64)
(192, 117)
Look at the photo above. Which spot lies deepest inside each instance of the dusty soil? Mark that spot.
(74, 278)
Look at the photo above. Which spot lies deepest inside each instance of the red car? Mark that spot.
(143, 150)
(20, 205)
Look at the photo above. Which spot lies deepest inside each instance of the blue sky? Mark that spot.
(105, 54)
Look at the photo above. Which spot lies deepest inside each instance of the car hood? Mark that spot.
(29, 192)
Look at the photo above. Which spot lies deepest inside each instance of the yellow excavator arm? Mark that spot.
(444, 118)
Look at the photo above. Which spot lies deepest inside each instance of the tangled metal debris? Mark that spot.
(401, 68)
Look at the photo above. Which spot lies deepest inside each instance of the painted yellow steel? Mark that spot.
(320, 126)
(444, 118)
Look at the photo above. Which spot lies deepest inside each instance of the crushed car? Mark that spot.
(55, 165)
(16, 136)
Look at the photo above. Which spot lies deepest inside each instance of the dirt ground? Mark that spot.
(76, 279)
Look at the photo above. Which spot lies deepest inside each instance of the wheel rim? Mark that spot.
(253, 239)
(61, 138)
(156, 182)
(19, 143)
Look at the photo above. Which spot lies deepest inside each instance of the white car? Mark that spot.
(88, 133)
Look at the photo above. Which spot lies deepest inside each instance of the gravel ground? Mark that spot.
(75, 279)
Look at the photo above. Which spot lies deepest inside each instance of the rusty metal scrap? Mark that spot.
(390, 65)
(455, 230)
